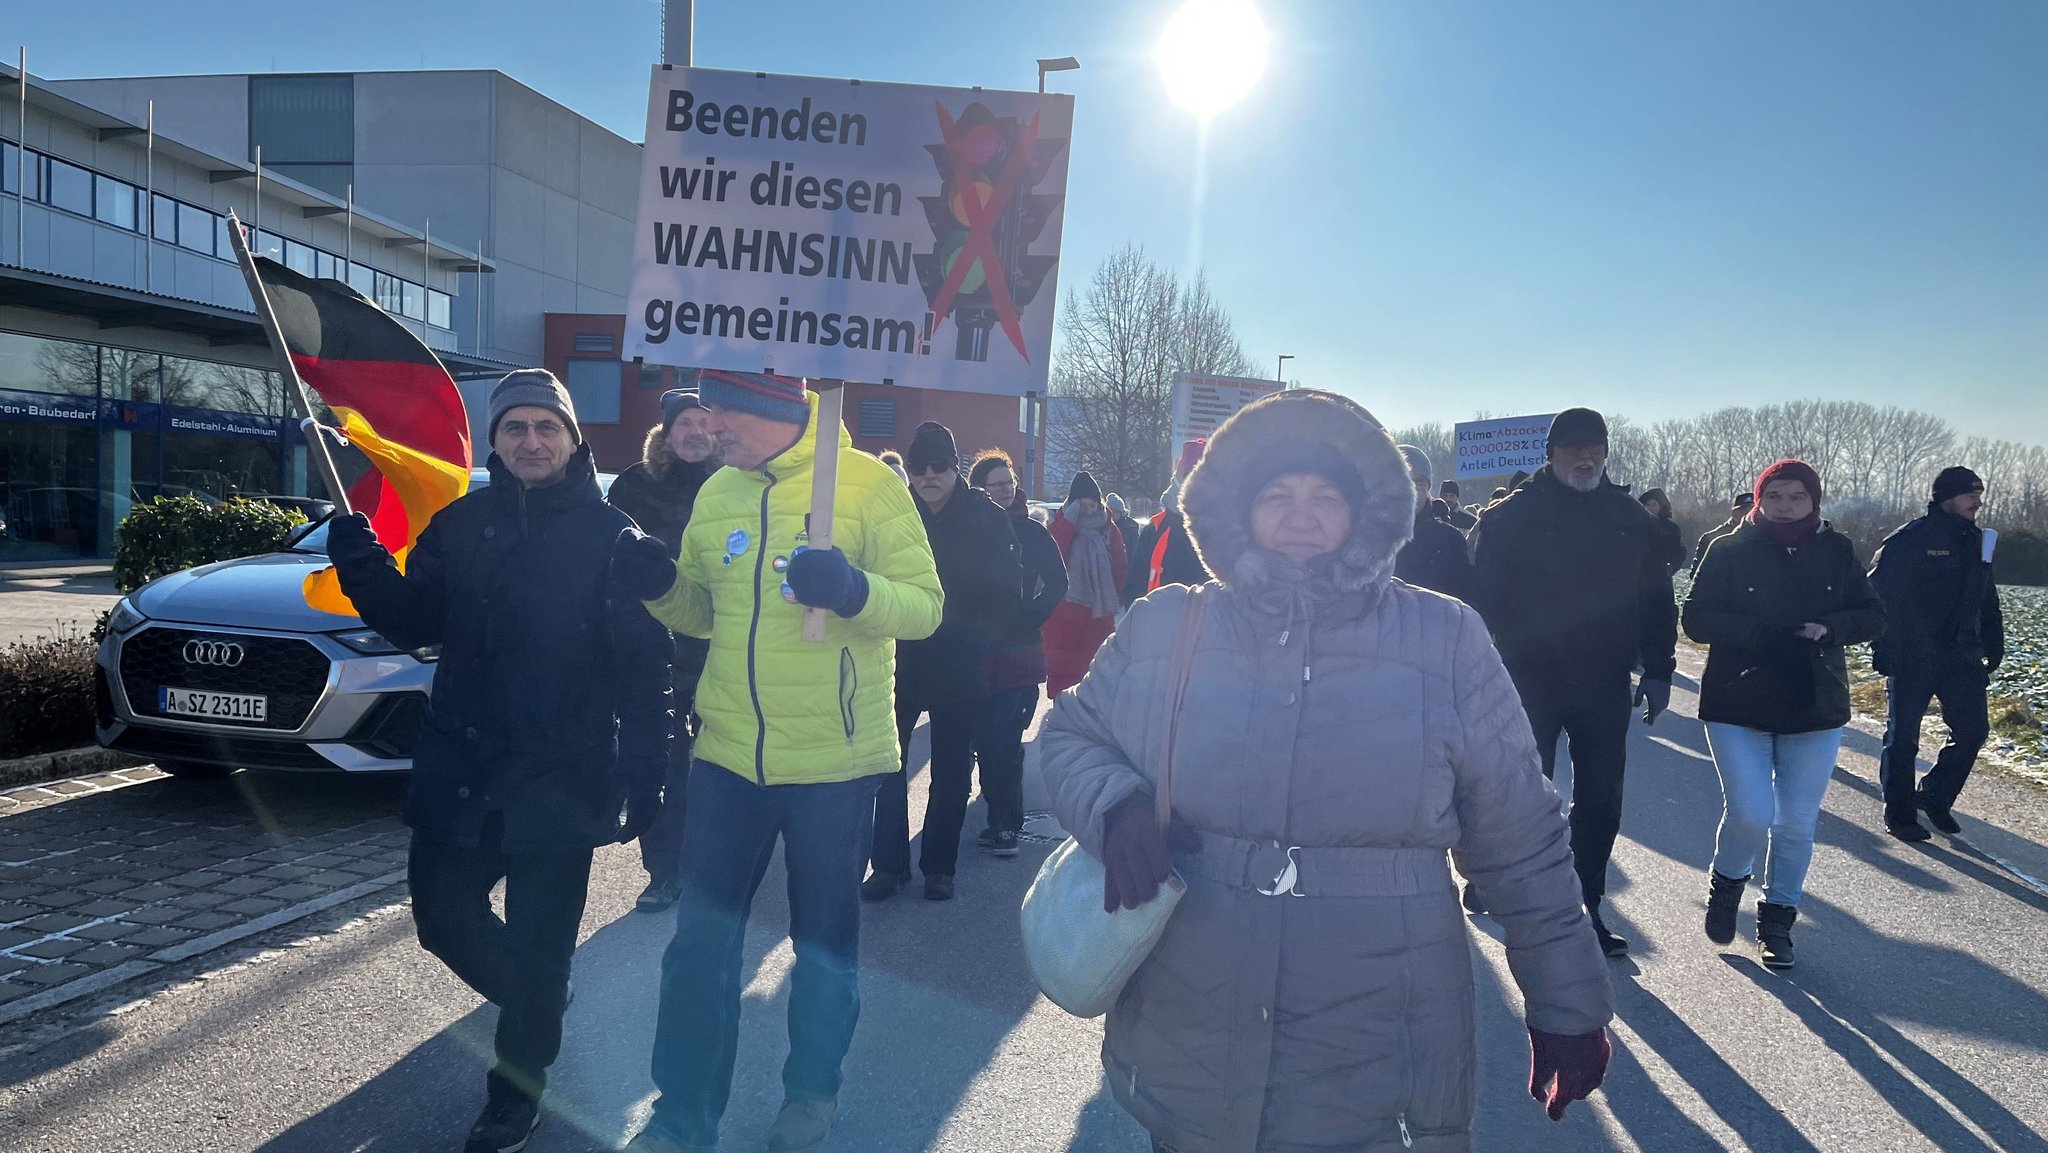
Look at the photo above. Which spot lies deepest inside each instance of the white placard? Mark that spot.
(1990, 543)
(1496, 447)
(1202, 403)
(834, 228)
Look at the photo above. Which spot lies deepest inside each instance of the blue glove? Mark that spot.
(1655, 696)
(822, 579)
(350, 537)
(642, 567)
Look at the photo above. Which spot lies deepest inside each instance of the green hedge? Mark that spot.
(174, 533)
(47, 687)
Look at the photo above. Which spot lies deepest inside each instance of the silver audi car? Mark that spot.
(225, 666)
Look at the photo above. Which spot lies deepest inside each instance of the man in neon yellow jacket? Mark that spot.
(795, 740)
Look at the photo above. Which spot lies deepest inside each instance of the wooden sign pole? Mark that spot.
(824, 483)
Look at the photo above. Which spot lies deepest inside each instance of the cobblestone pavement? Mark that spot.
(46, 601)
(133, 867)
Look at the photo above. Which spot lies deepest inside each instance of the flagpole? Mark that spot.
(316, 444)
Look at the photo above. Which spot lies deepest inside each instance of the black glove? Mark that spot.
(642, 567)
(642, 806)
(1135, 856)
(823, 579)
(1564, 1069)
(1655, 696)
(350, 537)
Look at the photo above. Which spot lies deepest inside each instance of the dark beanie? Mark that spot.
(1084, 486)
(1448, 488)
(779, 398)
(1789, 469)
(1577, 426)
(1315, 458)
(1954, 482)
(675, 401)
(537, 387)
(931, 444)
(1742, 500)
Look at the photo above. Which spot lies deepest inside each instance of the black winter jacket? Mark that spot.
(1573, 584)
(1940, 593)
(981, 569)
(551, 696)
(1707, 539)
(1749, 596)
(1435, 558)
(1181, 565)
(661, 506)
(1018, 661)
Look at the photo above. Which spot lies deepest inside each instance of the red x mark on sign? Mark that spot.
(981, 225)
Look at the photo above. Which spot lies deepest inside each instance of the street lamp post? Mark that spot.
(1056, 64)
(1280, 369)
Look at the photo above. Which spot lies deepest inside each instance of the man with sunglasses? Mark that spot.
(550, 705)
(944, 676)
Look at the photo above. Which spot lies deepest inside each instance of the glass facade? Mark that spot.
(96, 196)
(88, 429)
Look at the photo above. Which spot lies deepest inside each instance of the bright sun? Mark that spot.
(1211, 54)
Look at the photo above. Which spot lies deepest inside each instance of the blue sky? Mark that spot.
(1436, 206)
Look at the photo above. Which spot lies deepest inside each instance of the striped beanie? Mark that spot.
(779, 398)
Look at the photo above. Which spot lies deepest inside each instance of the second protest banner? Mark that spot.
(1201, 403)
(859, 231)
(1498, 447)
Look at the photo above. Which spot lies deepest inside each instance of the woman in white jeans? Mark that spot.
(1775, 601)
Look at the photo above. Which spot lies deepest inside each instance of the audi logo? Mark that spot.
(226, 654)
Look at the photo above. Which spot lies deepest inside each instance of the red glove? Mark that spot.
(1565, 1069)
(1135, 857)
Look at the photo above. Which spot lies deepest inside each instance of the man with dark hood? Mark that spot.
(943, 676)
(1568, 573)
(1946, 638)
(550, 705)
(658, 493)
(1435, 556)
(1658, 505)
(1738, 511)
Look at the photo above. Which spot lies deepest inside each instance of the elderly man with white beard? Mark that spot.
(1569, 574)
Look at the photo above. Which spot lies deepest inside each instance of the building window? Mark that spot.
(195, 229)
(440, 307)
(594, 388)
(113, 202)
(10, 173)
(70, 188)
(306, 128)
(164, 219)
(596, 342)
(877, 420)
(655, 376)
(300, 258)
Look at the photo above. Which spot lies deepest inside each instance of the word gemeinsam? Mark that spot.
(764, 122)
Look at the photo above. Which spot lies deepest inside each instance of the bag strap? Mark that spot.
(1181, 667)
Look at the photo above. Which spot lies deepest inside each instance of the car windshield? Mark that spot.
(315, 540)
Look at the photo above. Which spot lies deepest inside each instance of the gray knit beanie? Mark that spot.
(535, 386)
(1418, 463)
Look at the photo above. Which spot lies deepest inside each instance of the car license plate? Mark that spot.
(212, 706)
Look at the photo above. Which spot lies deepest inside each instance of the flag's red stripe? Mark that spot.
(415, 405)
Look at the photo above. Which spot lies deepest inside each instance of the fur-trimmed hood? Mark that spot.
(656, 453)
(1218, 495)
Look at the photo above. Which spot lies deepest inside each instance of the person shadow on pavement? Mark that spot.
(947, 1005)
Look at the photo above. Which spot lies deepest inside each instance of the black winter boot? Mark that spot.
(1610, 944)
(1724, 895)
(1774, 934)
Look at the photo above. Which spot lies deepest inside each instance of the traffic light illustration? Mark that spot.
(984, 221)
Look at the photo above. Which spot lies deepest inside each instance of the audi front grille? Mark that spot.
(290, 671)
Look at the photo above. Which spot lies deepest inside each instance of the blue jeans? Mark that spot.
(731, 828)
(1771, 789)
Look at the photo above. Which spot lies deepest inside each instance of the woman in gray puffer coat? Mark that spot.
(1341, 733)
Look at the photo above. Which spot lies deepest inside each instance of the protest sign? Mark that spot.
(1202, 403)
(841, 229)
(1498, 447)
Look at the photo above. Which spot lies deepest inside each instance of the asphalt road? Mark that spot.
(1916, 1020)
(38, 601)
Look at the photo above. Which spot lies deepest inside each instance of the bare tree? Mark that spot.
(1121, 341)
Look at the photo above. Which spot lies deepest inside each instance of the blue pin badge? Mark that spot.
(735, 545)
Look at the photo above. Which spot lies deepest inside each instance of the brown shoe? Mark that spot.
(801, 1125)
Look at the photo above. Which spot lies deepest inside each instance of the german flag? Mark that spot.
(394, 400)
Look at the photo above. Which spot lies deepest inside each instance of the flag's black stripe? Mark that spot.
(328, 320)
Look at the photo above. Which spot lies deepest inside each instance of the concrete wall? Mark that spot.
(211, 113)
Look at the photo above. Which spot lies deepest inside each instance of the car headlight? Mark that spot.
(371, 643)
(124, 618)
